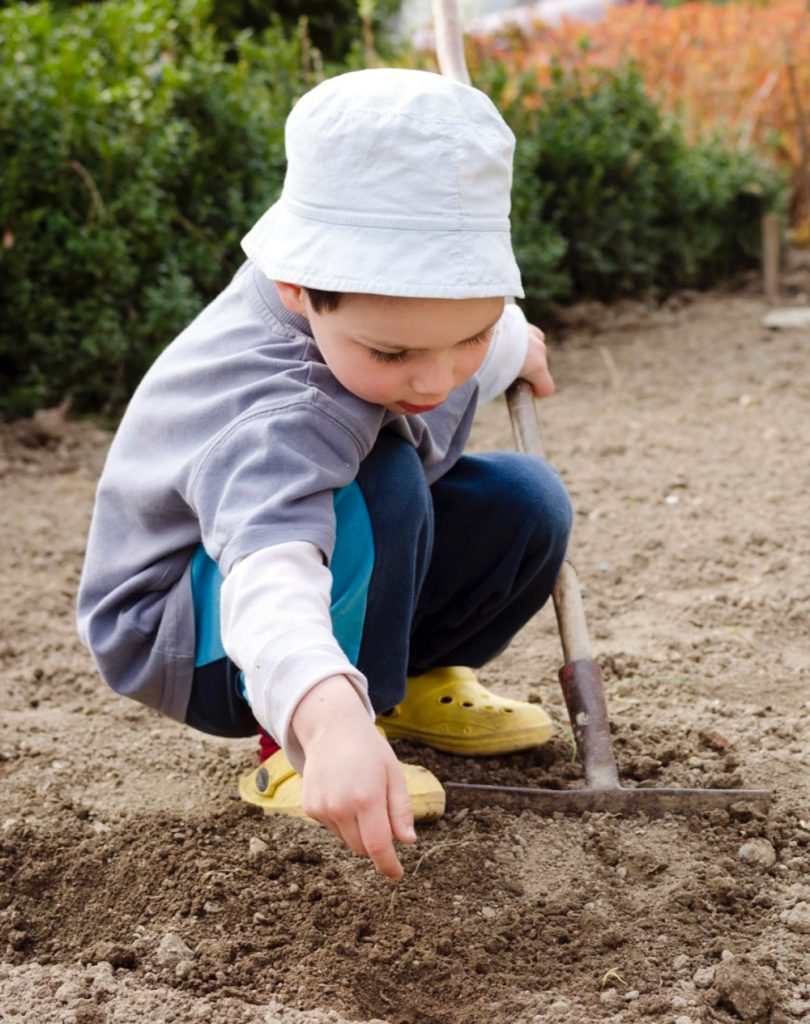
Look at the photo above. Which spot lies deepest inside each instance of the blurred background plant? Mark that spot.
(611, 199)
(740, 68)
(334, 28)
(140, 139)
(135, 148)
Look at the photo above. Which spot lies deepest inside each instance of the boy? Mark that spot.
(286, 527)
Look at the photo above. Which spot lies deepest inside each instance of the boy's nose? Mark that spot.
(436, 379)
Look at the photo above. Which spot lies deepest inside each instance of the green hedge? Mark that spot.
(610, 199)
(136, 148)
(134, 152)
(333, 27)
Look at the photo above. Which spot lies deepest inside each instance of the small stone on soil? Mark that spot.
(172, 950)
(257, 848)
(798, 918)
(69, 992)
(758, 852)
(703, 977)
(713, 740)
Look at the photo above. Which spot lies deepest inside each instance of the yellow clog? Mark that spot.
(449, 710)
(276, 787)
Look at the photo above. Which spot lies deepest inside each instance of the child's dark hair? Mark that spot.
(322, 301)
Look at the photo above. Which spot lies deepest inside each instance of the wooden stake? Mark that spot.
(770, 257)
(804, 141)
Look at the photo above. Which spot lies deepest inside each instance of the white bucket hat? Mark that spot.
(398, 183)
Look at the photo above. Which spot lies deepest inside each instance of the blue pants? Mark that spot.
(423, 577)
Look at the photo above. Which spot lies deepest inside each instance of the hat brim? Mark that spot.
(409, 263)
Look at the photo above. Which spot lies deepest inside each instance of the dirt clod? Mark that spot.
(111, 953)
(746, 990)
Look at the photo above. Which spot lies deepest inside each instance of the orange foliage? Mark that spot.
(728, 65)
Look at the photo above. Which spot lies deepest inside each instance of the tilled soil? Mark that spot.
(134, 886)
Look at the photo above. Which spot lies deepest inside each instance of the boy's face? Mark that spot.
(404, 354)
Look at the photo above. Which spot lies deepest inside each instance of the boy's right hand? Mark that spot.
(352, 780)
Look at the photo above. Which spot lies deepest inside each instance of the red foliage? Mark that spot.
(743, 66)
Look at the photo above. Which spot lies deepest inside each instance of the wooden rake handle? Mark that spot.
(567, 595)
(580, 676)
(450, 41)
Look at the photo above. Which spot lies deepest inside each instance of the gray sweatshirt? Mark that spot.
(236, 438)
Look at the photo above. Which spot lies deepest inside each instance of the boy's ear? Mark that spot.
(293, 296)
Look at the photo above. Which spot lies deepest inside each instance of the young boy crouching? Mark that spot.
(287, 535)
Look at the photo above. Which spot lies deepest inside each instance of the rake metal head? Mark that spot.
(614, 800)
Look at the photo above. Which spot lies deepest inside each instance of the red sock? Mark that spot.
(267, 745)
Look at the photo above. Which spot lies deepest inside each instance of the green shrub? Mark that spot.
(607, 184)
(133, 156)
(334, 27)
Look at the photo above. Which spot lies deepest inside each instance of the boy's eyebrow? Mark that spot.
(392, 351)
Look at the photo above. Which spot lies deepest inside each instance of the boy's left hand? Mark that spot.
(535, 365)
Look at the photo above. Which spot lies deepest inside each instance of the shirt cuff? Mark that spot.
(306, 661)
(506, 356)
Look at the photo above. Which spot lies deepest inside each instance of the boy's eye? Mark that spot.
(480, 338)
(388, 357)
(398, 357)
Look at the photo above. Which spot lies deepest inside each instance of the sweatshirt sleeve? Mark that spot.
(276, 626)
(507, 353)
(269, 478)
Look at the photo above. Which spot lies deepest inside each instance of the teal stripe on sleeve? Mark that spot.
(206, 585)
(352, 567)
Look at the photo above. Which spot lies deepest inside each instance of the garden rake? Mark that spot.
(580, 676)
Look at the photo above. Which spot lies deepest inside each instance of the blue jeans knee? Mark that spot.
(538, 501)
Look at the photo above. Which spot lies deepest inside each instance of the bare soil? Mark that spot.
(128, 889)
